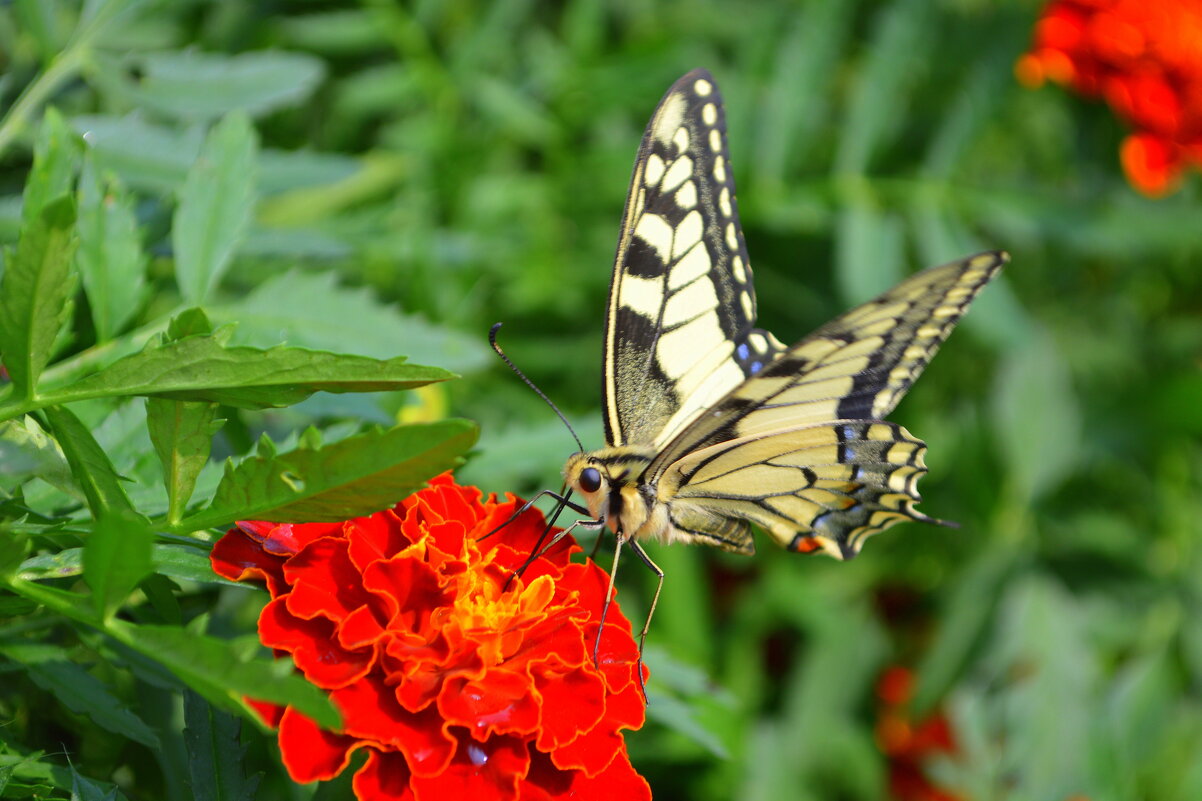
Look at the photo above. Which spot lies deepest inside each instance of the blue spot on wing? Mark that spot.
(756, 367)
(743, 352)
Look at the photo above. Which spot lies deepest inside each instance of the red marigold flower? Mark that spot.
(460, 680)
(908, 744)
(1143, 58)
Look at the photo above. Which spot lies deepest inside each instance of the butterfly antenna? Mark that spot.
(492, 340)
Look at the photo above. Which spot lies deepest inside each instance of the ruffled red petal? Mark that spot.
(461, 677)
(384, 777)
(310, 752)
(238, 557)
(370, 711)
(1142, 57)
(313, 646)
(489, 770)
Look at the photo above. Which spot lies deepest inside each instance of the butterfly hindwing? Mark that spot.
(680, 327)
(828, 486)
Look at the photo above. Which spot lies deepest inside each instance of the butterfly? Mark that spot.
(712, 425)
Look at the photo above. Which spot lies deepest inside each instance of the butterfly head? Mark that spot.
(609, 480)
(589, 476)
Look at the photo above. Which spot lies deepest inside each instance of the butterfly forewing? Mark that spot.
(856, 367)
(680, 328)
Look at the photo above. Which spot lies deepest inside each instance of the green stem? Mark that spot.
(63, 67)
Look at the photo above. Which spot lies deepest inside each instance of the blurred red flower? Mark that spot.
(1144, 57)
(907, 743)
(459, 682)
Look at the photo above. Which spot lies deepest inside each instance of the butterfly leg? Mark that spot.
(609, 595)
(659, 574)
(562, 500)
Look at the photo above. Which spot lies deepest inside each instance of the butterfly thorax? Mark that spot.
(615, 484)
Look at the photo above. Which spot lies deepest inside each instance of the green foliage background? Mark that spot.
(425, 169)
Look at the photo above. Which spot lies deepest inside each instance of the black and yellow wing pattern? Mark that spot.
(680, 328)
(712, 424)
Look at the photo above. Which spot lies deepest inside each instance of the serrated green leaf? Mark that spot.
(189, 322)
(195, 85)
(355, 476)
(225, 672)
(216, 757)
(215, 206)
(311, 310)
(79, 691)
(182, 434)
(34, 294)
(110, 258)
(200, 369)
(56, 156)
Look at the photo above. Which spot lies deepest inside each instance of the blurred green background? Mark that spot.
(429, 168)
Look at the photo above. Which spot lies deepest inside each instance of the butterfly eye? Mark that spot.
(590, 479)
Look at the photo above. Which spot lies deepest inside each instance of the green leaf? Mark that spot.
(42, 22)
(689, 689)
(189, 322)
(798, 94)
(26, 452)
(869, 250)
(880, 88)
(216, 757)
(1036, 418)
(224, 672)
(93, 471)
(55, 160)
(110, 258)
(85, 789)
(311, 310)
(183, 562)
(968, 611)
(355, 476)
(79, 691)
(187, 563)
(34, 294)
(148, 157)
(117, 553)
(195, 85)
(215, 207)
(182, 434)
(116, 557)
(199, 368)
